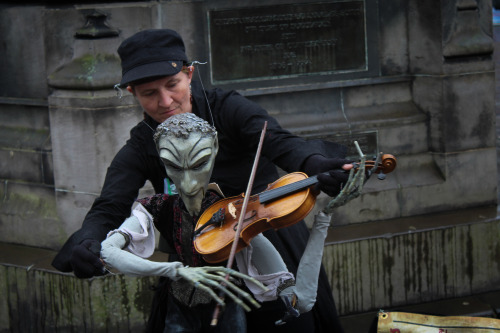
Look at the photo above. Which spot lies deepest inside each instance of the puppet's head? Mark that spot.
(187, 146)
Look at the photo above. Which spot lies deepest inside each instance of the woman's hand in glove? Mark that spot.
(331, 172)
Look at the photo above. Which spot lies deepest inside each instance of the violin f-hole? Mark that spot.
(248, 216)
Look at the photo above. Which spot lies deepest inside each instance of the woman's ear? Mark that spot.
(190, 71)
(130, 90)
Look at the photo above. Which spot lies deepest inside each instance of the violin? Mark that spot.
(285, 202)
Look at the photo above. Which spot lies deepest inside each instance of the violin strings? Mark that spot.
(286, 189)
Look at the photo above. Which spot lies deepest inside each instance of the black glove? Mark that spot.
(331, 182)
(85, 259)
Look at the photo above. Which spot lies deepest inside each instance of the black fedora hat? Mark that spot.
(151, 53)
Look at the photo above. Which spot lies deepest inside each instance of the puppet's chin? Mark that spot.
(193, 203)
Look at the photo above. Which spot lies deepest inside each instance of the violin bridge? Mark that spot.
(231, 210)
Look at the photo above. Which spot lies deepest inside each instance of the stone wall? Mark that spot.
(43, 301)
(413, 260)
(376, 265)
(28, 213)
(425, 95)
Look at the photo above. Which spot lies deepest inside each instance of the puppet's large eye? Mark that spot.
(199, 165)
(171, 165)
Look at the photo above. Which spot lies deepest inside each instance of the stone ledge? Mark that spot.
(426, 259)
(408, 225)
(28, 214)
(323, 85)
(29, 257)
(36, 297)
(39, 300)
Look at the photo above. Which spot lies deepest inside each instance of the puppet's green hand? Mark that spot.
(208, 278)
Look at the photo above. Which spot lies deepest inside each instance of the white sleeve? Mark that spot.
(263, 262)
(131, 264)
(142, 236)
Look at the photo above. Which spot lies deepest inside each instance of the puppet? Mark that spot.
(187, 146)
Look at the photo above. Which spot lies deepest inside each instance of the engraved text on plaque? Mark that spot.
(287, 40)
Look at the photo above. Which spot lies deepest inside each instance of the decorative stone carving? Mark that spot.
(91, 68)
(465, 37)
(88, 72)
(96, 27)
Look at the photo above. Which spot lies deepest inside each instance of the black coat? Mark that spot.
(239, 123)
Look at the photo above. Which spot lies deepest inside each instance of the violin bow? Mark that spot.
(215, 317)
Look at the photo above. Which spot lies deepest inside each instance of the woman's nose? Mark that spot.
(165, 99)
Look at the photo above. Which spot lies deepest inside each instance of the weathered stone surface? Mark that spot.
(403, 98)
(432, 109)
(61, 47)
(24, 113)
(23, 52)
(424, 37)
(467, 31)
(283, 105)
(461, 116)
(88, 72)
(28, 215)
(72, 206)
(36, 298)
(26, 154)
(424, 182)
(393, 36)
(88, 129)
(32, 166)
(43, 300)
(414, 267)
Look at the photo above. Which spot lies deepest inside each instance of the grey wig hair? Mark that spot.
(182, 125)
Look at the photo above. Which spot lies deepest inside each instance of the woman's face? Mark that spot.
(189, 163)
(166, 96)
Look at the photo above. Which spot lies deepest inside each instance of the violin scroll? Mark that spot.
(384, 164)
(388, 163)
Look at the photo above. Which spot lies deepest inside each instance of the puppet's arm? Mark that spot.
(205, 278)
(129, 263)
(262, 261)
(301, 297)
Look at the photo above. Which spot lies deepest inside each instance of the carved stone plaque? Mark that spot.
(287, 41)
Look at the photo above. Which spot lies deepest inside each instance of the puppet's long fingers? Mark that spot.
(238, 290)
(236, 274)
(228, 293)
(223, 271)
(351, 182)
(210, 292)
